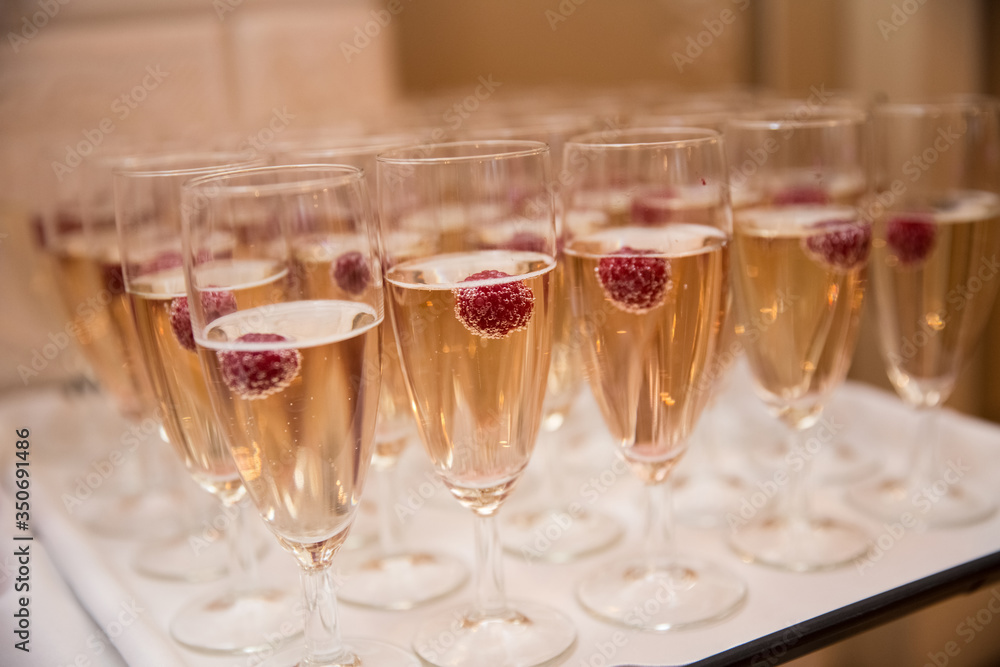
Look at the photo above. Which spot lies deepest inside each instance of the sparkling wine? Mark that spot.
(89, 279)
(315, 261)
(478, 400)
(301, 428)
(935, 280)
(798, 309)
(649, 341)
(175, 370)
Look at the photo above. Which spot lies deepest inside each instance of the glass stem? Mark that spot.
(388, 525)
(926, 457)
(659, 529)
(324, 646)
(242, 555)
(552, 454)
(798, 507)
(491, 597)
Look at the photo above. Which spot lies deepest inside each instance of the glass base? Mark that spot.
(810, 545)
(556, 535)
(401, 580)
(363, 653)
(675, 593)
(935, 505)
(247, 621)
(526, 635)
(189, 558)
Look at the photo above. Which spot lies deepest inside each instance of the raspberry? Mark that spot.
(653, 206)
(801, 194)
(634, 283)
(494, 311)
(215, 304)
(351, 272)
(911, 238)
(258, 374)
(843, 248)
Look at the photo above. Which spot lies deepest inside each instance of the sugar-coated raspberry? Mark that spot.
(911, 238)
(215, 304)
(254, 374)
(844, 247)
(494, 310)
(801, 194)
(633, 282)
(351, 272)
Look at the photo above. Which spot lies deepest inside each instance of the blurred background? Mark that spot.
(79, 74)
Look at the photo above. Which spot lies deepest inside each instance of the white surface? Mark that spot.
(98, 570)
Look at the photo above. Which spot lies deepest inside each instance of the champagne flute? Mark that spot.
(137, 503)
(648, 228)
(800, 252)
(532, 521)
(937, 239)
(472, 325)
(242, 617)
(293, 380)
(395, 576)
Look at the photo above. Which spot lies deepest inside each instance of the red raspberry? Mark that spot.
(215, 304)
(911, 238)
(843, 248)
(494, 311)
(258, 374)
(801, 194)
(653, 206)
(351, 272)
(634, 283)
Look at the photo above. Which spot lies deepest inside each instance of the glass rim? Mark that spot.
(823, 117)
(672, 137)
(214, 184)
(347, 146)
(501, 149)
(922, 107)
(161, 165)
